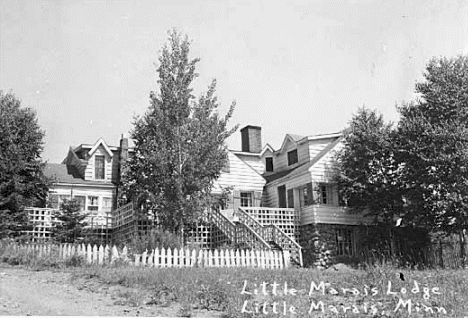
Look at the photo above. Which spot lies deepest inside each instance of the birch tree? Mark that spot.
(179, 143)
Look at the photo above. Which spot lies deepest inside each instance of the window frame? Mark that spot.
(293, 157)
(329, 198)
(269, 167)
(89, 201)
(345, 240)
(246, 197)
(98, 171)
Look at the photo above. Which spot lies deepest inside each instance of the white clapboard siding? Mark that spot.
(240, 175)
(328, 214)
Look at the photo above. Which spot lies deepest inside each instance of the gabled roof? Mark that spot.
(102, 143)
(292, 138)
(296, 138)
(265, 148)
(67, 174)
(306, 166)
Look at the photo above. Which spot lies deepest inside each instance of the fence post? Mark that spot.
(95, 254)
(137, 259)
(150, 258)
(125, 253)
(144, 257)
(286, 258)
(157, 263)
(114, 254)
(163, 258)
(176, 257)
(100, 254)
(89, 254)
(193, 259)
(169, 257)
(107, 255)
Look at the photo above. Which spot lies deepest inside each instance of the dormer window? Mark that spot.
(99, 167)
(269, 164)
(292, 157)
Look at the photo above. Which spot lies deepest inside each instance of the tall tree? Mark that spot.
(368, 171)
(22, 182)
(433, 138)
(179, 143)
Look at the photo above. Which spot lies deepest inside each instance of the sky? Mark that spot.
(302, 67)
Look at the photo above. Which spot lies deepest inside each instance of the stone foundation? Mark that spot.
(320, 246)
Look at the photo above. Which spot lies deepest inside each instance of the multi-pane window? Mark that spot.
(81, 199)
(344, 242)
(93, 203)
(106, 204)
(326, 194)
(269, 164)
(246, 199)
(306, 195)
(292, 157)
(99, 167)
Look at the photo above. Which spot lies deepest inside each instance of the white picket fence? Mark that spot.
(101, 255)
(213, 258)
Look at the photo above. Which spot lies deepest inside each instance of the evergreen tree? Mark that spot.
(70, 229)
(179, 144)
(22, 182)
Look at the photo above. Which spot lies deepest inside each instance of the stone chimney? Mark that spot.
(251, 139)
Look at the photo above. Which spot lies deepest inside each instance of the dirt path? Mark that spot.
(25, 292)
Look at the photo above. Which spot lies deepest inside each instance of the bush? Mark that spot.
(156, 238)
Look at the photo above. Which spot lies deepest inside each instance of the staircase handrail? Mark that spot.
(256, 242)
(286, 242)
(224, 224)
(246, 218)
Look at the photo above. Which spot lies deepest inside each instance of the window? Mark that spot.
(246, 199)
(292, 157)
(269, 163)
(344, 242)
(81, 201)
(326, 194)
(106, 204)
(306, 195)
(93, 203)
(99, 167)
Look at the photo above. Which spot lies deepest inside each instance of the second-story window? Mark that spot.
(99, 167)
(269, 163)
(292, 157)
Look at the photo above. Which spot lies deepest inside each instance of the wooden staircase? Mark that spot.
(245, 231)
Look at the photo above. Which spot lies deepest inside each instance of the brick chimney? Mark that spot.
(123, 148)
(251, 139)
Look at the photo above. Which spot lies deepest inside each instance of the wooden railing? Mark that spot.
(224, 225)
(240, 234)
(286, 243)
(247, 237)
(272, 233)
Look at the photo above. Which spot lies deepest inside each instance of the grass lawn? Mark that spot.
(378, 291)
(242, 292)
